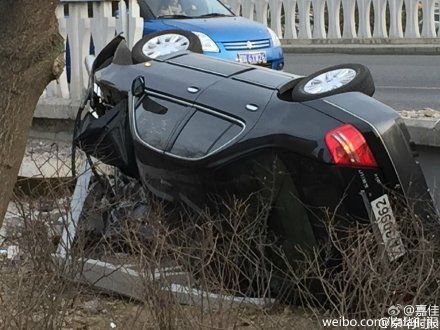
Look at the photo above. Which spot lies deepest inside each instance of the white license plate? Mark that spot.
(252, 58)
(386, 222)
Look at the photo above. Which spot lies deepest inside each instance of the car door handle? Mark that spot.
(252, 107)
(193, 90)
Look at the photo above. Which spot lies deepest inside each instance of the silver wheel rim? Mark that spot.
(165, 44)
(329, 81)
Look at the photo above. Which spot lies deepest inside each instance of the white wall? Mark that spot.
(335, 19)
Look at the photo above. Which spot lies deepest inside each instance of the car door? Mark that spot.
(168, 105)
(222, 114)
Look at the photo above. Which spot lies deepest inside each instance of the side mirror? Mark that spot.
(138, 88)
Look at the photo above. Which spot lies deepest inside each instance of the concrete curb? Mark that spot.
(56, 108)
(54, 130)
(362, 49)
(424, 132)
(364, 41)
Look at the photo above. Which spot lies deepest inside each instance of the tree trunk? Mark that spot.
(29, 45)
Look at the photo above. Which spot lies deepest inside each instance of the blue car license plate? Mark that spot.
(252, 58)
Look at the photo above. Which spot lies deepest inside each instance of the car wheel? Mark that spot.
(335, 80)
(163, 43)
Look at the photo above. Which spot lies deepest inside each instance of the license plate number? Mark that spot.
(386, 222)
(252, 58)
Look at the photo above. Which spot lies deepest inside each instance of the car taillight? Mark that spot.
(349, 148)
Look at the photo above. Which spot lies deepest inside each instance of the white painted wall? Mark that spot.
(321, 19)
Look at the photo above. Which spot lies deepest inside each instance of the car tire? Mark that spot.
(346, 78)
(184, 40)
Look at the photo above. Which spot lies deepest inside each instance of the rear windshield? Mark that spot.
(186, 8)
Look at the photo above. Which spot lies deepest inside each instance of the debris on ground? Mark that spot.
(51, 215)
(12, 224)
(46, 159)
(93, 306)
(426, 113)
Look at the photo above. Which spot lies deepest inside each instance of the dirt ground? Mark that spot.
(118, 313)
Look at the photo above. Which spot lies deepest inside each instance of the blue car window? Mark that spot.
(154, 5)
(186, 8)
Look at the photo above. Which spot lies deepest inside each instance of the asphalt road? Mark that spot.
(403, 82)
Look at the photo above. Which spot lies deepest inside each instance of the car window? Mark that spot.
(186, 8)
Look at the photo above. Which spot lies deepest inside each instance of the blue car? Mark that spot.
(222, 34)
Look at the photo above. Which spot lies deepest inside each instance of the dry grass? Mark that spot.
(224, 252)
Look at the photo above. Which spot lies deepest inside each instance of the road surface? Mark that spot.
(403, 82)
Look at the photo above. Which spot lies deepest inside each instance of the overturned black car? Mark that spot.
(190, 127)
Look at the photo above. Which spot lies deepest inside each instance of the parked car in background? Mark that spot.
(223, 35)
